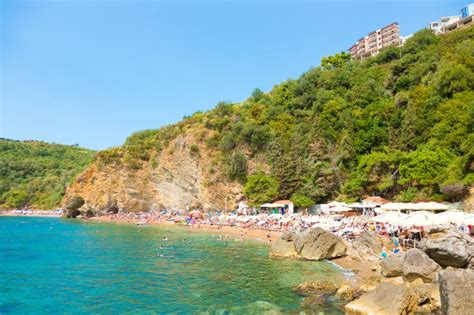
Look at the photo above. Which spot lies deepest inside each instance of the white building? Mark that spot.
(450, 23)
(438, 26)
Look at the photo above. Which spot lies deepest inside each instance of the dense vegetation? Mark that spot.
(398, 125)
(34, 174)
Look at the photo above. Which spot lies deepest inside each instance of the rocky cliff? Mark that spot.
(184, 174)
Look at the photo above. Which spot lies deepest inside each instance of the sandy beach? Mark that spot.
(229, 231)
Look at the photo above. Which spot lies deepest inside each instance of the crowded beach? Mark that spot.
(405, 221)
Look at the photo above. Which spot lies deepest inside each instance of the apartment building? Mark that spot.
(438, 26)
(376, 41)
(450, 23)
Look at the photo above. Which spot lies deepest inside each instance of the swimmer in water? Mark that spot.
(165, 238)
(161, 247)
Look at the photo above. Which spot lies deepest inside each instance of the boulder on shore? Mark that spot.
(387, 298)
(392, 266)
(451, 249)
(315, 287)
(284, 246)
(417, 264)
(318, 244)
(366, 247)
(391, 298)
(456, 288)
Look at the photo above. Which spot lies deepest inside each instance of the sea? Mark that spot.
(54, 265)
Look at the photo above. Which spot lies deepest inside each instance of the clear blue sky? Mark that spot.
(93, 72)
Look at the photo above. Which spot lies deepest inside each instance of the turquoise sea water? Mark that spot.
(50, 265)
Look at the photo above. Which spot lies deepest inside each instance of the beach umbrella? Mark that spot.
(469, 220)
(457, 217)
(419, 218)
(393, 217)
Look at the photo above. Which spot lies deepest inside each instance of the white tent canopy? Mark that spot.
(457, 217)
(397, 206)
(393, 217)
(419, 218)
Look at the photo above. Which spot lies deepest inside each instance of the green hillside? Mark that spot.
(398, 125)
(34, 174)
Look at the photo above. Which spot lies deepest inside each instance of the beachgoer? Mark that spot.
(384, 252)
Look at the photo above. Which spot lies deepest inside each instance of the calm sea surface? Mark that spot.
(50, 265)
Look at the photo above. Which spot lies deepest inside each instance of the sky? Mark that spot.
(92, 72)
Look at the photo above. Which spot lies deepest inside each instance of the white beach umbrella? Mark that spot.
(469, 220)
(457, 217)
(419, 218)
(392, 217)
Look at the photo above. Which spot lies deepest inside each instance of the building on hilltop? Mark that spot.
(437, 26)
(467, 11)
(451, 23)
(376, 41)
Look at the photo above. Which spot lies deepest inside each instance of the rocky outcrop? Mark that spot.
(453, 249)
(318, 244)
(366, 247)
(417, 264)
(397, 298)
(312, 244)
(456, 288)
(387, 299)
(392, 266)
(315, 287)
(172, 178)
(72, 206)
(284, 246)
(348, 293)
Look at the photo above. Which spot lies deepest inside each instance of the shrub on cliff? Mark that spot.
(261, 188)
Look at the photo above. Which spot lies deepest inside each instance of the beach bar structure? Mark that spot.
(409, 207)
(280, 206)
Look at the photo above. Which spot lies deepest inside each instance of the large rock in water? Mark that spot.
(366, 247)
(284, 246)
(453, 249)
(418, 265)
(318, 244)
(392, 266)
(456, 288)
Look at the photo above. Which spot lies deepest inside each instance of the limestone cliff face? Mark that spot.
(175, 178)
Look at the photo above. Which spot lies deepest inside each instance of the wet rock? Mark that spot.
(366, 247)
(417, 264)
(456, 288)
(370, 283)
(284, 247)
(315, 287)
(318, 244)
(449, 249)
(392, 266)
(348, 293)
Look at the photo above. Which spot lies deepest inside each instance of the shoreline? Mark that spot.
(260, 235)
(354, 271)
